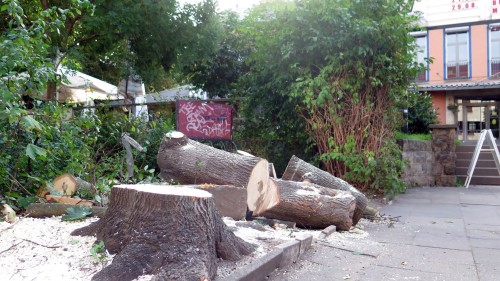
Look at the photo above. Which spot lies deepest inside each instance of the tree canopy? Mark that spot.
(114, 39)
(338, 70)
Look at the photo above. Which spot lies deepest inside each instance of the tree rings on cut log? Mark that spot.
(311, 205)
(299, 170)
(190, 162)
(67, 184)
(171, 232)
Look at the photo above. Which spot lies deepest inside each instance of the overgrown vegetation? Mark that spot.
(87, 146)
(331, 76)
(324, 80)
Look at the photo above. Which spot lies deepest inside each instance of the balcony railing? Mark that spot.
(495, 68)
(421, 77)
(457, 70)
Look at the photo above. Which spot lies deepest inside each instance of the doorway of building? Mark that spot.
(475, 116)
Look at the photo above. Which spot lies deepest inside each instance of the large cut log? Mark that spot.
(67, 184)
(173, 233)
(47, 210)
(190, 162)
(311, 205)
(230, 200)
(299, 170)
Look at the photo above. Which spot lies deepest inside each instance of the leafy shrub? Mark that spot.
(382, 174)
(421, 113)
(88, 146)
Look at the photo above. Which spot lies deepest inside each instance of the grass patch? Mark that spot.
(400, 135)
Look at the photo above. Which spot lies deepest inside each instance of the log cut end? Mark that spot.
(261, 195)
(167, 190)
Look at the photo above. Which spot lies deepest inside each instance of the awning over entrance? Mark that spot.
(459, 86)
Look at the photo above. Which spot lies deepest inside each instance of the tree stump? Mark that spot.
(299, 170)
(311, 205)
(174, 233)
(190, 162)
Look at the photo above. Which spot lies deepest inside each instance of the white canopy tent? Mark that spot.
(79, 87)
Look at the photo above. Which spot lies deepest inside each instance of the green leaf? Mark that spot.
(32, 151)
(30, 123)
(24, 202)
(98, 250)
(4, 8)
(76, 213)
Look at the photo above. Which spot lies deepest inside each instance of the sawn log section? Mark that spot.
(311, 205)
(299, 170)
(190, 162)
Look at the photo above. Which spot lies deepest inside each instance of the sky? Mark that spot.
(239, 6)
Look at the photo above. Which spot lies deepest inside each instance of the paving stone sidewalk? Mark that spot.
(442, 233)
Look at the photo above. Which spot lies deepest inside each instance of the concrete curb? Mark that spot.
(282, 256)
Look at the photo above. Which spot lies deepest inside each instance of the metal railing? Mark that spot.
(495, 68)
(457, 70)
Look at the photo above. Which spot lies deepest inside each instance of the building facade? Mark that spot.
(462, 38)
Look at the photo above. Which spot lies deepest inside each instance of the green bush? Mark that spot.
(421, 113)
(382, 174)
(88, 146)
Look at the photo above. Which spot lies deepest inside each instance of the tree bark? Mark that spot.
(311, 205)
(190, 162)
(299, 170)
(174, 233)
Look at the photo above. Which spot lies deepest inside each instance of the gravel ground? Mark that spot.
(43, 249)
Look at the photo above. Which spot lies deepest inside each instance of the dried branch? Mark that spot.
(50, 247)
(11, 247)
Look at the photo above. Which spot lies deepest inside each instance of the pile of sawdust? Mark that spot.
(43, 249)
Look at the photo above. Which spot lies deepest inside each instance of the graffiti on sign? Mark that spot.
(204, 120)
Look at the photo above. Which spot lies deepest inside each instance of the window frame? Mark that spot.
(495, 26)
(425, 35)
(456, 31)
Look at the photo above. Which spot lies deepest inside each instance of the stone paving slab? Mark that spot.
(442, 234)
(488, 272)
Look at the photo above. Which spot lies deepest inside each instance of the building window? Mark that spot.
(495, 51)
(421, 43)
(457, 54)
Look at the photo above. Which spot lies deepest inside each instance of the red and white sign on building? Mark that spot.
(448, 12)
(201, 120)
(460, 5)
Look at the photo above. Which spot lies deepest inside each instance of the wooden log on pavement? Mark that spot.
(299, 170)
(173, 233)
(311, 205)
(190, 162)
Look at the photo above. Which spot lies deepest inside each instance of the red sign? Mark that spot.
(203, 120)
